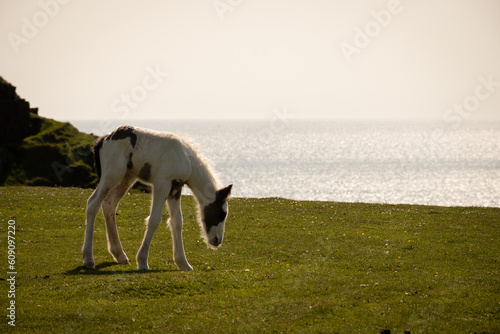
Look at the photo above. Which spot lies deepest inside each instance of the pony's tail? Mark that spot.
(97, 159)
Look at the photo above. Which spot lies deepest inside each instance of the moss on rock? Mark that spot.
(39, 151)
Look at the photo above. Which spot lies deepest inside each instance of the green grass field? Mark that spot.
(285, 266)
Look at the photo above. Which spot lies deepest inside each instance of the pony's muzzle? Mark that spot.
(215, 241)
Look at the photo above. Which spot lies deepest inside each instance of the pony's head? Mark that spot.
(213, 217)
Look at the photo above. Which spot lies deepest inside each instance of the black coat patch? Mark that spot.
(97, 159)
(176, 190)
(145, 172)
(130, 165)
(124, 132)
(213, 214)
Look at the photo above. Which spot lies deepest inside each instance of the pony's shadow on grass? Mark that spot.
(105, 268)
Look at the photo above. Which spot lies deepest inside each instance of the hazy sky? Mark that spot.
(89, 59)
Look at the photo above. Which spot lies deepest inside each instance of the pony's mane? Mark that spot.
(193, 147)
(205, 162)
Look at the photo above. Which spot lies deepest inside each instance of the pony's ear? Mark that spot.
(223, 194)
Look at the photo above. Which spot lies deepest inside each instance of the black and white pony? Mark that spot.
(166, 162)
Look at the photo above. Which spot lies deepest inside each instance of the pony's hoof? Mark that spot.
(186, 267)
(142, 268)
(123, 260)
(90, 265)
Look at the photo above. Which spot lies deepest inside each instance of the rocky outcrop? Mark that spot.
(15, 115)
(39, 151)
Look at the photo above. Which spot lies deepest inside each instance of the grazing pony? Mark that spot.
(167, 163)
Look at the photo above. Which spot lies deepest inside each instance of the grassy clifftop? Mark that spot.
(284, 266)
(39, 151)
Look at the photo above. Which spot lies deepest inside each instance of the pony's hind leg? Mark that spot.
(109, 206)
(93, 204)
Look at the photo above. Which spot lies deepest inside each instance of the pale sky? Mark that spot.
(205, 59)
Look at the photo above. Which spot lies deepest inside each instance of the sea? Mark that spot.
(429, 163)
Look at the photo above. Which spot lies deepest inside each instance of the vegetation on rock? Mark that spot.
(39, 151)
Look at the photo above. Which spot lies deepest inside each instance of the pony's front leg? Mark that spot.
(175, 223)
(154, 220)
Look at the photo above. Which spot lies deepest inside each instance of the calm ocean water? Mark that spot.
(385, 162)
